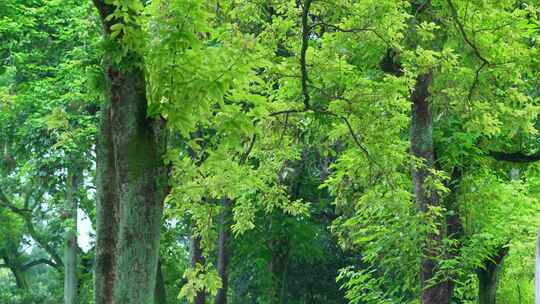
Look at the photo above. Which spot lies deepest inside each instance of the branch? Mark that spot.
(39, 262)
(4, 201)
(473, 46)
(351, 30)
(464, 34)
(306, 30)
(515, 157)
(42, 242)
(291, 111)
(244, 156)
(355, 138)
(476, 80)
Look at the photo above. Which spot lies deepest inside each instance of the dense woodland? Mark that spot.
(283, 151)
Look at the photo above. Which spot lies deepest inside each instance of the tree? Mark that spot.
(131, 175)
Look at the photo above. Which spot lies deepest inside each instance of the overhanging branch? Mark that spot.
(39, 262)
(515, 157)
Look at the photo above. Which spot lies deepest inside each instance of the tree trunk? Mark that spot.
(537, 275)
(161, 294)
(454, 225)
(422, 148)
(131, 179)
(70, 249)
(16, 269)
(223, 252)
(20, 278)
(197, 258)
(488, 278)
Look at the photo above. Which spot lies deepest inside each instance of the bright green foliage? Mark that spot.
(48, 50)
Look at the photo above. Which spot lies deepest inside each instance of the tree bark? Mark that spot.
(131, 179)
(422, 148)
(106, 212)
(196, 256)
(488, 277)
(223, 252)
(70, 249)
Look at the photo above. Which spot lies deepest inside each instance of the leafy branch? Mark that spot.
(473, 46)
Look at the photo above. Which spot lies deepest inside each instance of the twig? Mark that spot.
(244, 156)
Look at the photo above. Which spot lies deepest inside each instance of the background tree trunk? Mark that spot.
(197, 258)
(70, 249)
(161, 294)
(488, 277)
(537, 275)
(223, 252)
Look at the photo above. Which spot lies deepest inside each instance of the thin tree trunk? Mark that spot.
(537, 275)
(131, 183)
(161, 294)
(70, 249)
(196, 256)
(223, 252)
(422, 148)
(454, 225)
(488, 278)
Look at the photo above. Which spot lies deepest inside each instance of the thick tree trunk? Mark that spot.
(488, 278)
(70, 249)
(223, 252)
(16, 269)
(131, 179)
(196, 256)
(20, 278)
(422, 148)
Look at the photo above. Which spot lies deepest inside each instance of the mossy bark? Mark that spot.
(131, 184)
(106, 212)
(131, 180)
(422, 149)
